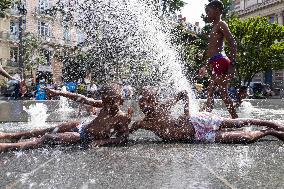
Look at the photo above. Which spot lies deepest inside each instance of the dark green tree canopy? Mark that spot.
(172, 6)
(260, 46)
(4, 4)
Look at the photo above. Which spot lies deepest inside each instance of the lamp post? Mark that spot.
(23, 12)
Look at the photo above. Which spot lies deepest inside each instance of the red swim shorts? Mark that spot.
(220, 64)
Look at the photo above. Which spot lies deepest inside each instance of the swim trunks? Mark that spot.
(84, 135)
(206, 125)
(220, 64)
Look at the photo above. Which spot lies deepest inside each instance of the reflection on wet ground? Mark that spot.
(147, 162)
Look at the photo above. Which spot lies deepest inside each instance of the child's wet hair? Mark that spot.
(216, 5)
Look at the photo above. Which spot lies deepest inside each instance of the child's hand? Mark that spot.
(202, 71)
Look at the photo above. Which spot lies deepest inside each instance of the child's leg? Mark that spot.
(246, 136)
(210, 99)
(64, 127)
(242, 122)
(61, 138)
(222, 83)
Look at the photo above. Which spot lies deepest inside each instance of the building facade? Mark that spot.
(37, 21)
(274, 11)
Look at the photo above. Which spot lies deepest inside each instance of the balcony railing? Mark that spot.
(254, 7)
(46, 12)
(8, 36)
(12, 63)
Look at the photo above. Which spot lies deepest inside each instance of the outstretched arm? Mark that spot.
(76, 97)
(182, 95)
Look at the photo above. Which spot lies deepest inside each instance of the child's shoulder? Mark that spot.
(222, 23)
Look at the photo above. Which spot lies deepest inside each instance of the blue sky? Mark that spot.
(193, 10)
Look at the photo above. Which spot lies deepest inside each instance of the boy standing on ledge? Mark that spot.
(222, 66)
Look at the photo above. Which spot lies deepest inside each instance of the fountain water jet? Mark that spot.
(63, 103)
(37, 115)
(128, 36)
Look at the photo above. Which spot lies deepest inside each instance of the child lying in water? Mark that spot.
(111, 121)
(202, 126)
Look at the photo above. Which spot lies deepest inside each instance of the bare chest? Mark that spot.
(104, 127)
(215, 36)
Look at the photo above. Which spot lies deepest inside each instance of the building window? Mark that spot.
(43, 29)
(80, 37)
(44, 5)
(14, 55)
(14, 30)
(271, 19)
(66, 34)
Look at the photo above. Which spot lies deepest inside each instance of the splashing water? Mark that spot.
(246, 109)
(127, 37)
(37, 114)
(63, 102)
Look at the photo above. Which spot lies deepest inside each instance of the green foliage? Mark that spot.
(33, 56)
(259, 46)
(182, 36)
(3, 83)
(190, 51)
(171, 6)
(4, 4)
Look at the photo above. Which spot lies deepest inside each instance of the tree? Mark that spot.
(171, 6)
(260, 46)
(33, 55)
(4, 4)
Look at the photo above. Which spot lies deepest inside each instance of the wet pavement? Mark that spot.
(147, 165)
(147, 162)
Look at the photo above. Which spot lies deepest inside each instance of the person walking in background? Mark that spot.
(40, 93)
(222, 66)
